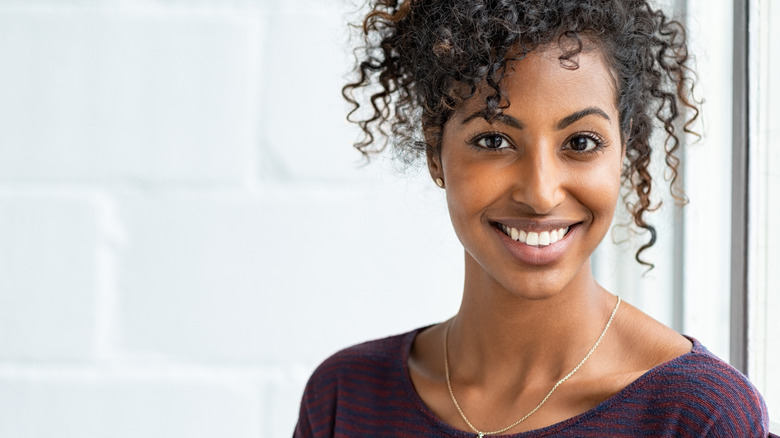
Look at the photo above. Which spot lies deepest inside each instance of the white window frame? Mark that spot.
(758, 331)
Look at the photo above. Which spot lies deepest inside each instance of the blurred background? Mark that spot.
(186, 231)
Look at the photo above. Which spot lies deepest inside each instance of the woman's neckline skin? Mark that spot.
(505, 354)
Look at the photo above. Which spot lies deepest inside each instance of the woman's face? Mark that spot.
(532, 194)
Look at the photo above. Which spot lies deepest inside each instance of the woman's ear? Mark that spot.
(433, 156)
(434, 167)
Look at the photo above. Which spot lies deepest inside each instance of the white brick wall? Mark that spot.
(127, 96)
(184, 231)
(48, 279)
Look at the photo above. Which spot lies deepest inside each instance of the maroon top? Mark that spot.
(366, 391)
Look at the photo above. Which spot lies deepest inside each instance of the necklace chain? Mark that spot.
(481, 434)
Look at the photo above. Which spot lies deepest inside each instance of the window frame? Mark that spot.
(738, 345)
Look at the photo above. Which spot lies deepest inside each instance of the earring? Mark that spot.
(440, 182)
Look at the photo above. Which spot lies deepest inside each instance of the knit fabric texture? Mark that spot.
(366, 391)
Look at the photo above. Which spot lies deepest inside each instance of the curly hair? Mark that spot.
(422, 57)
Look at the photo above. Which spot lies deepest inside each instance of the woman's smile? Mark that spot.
(534, 234)
(536, 247)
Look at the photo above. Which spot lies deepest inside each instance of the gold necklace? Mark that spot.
(481, 434)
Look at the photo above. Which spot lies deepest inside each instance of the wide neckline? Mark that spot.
(438, 423)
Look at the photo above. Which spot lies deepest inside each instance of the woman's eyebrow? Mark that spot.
(501, 118)
(568, 120)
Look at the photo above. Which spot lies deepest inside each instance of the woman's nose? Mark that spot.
(540, 182)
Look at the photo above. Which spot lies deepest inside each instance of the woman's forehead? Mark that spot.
(541, 80)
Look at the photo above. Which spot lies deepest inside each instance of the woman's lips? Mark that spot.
(544, 245)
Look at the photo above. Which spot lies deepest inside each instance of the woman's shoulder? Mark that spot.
(706, 379)
(367, 368)
(355, 386)
(378, 354)
(665, 357)
(696, 391)
(674, 383)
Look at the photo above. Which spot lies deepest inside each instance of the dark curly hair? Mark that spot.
(422, 57)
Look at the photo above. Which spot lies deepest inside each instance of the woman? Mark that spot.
(530, 114)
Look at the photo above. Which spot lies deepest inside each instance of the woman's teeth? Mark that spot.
(532, 238)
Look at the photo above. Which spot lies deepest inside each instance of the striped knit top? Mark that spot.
(366, 391)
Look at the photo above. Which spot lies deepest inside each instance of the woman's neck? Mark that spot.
(499, 336)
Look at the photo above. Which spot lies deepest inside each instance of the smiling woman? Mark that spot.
(531, 115)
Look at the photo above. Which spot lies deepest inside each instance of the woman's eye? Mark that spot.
(492, 142)
(583, 143)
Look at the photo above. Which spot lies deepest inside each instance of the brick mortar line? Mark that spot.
(111, 236)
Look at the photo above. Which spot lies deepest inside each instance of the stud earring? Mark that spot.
(440, 182)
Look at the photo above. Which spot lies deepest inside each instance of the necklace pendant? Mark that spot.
(481, 435)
